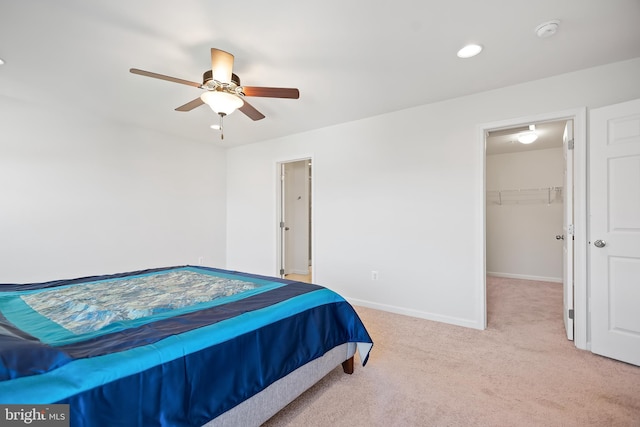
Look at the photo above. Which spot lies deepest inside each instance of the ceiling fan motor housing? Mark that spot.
(208, 76)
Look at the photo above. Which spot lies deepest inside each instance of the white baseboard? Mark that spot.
(525, 277)
(416, 313)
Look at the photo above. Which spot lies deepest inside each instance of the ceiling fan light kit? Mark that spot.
(221, 102)
(223, 92)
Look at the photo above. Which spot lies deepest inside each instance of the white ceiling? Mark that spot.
(350, 58)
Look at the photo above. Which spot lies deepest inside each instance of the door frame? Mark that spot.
(579, 117)
(568, 244)
(279, 210)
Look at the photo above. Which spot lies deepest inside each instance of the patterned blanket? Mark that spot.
(90, 307)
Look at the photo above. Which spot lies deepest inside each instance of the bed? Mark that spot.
(174, 346)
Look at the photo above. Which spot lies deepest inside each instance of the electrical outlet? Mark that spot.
(200, 258)
(374, 275)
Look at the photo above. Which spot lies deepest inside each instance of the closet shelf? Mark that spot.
(525, 196)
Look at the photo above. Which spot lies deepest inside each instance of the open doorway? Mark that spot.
(524, 202)
(295, 224)
(529, 208)
(574, 287)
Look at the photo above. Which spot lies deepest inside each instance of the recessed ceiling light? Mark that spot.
(1, 61)
(469, 50)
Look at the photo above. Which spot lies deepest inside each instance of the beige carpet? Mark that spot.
(521, 371)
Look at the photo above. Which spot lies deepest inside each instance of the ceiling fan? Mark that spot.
(224, 93)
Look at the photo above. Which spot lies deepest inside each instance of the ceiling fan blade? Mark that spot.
(250, 111)
(221, 65)
(163, 77)
(191, 105)
(271, 92)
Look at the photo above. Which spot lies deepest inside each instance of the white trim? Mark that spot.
(525, 277)
(581, 238)
(579, 117)
(481, 193)
(278, 205)
(300, 272)
(458, 321)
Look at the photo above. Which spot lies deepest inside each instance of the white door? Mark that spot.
(567, 228)
(614, 231)
(282, 229)
(289, 218)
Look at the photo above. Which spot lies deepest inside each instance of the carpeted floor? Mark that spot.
(521, 371)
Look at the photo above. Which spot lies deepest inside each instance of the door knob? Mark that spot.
(559, 237)
(600, 243)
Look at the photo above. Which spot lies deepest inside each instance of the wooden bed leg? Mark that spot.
(347, 366)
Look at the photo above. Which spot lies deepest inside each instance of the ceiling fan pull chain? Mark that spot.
(221, 129)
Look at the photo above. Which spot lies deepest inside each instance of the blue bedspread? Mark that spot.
(172, 346)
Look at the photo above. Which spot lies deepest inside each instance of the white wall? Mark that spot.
(521, 232)
(80, 195)
(399, 194)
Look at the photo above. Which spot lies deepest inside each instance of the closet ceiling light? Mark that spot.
(529, 136)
